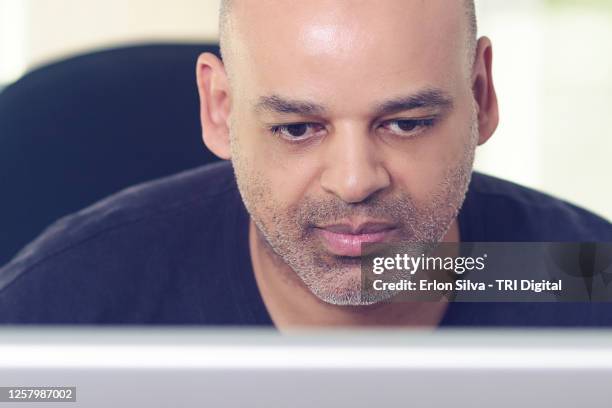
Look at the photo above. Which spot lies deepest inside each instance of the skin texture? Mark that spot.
(339, 67)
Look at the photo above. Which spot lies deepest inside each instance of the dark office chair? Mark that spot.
(77, 130)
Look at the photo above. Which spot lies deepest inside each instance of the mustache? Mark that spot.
(393, 209)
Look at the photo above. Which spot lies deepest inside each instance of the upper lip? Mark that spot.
(368, 227)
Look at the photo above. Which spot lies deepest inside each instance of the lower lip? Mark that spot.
(350, 244)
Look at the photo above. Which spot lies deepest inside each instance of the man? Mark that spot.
(344, 123)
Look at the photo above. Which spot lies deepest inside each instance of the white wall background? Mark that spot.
(45, 30)
(553, 70)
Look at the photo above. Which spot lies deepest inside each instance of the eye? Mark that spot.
(407, 127)
(297, 131)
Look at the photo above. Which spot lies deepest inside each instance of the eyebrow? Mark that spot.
(277, 104)
(427, 98)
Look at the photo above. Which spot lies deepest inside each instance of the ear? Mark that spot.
(215, 104)
(484, 90)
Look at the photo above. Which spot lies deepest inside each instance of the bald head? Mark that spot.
(337, 112)
(468, 7)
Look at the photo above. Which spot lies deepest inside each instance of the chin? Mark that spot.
(347, 291)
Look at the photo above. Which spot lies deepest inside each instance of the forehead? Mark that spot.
(337, 49)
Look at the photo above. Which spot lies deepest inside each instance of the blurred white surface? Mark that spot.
(187, 368)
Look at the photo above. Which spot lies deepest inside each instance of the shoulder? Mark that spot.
(123, 253)
(129, 208)
(508, 211)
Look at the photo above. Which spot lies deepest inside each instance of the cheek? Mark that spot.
(288, 174)
(419, 167)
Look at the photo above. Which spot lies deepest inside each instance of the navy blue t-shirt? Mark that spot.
(175, 251)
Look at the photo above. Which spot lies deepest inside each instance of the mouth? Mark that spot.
(346, 239)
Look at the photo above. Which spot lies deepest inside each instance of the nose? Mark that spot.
(353, 171)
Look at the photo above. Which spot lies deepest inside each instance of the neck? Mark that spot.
(291, 305)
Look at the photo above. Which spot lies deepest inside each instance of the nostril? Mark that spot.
(355, 185)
